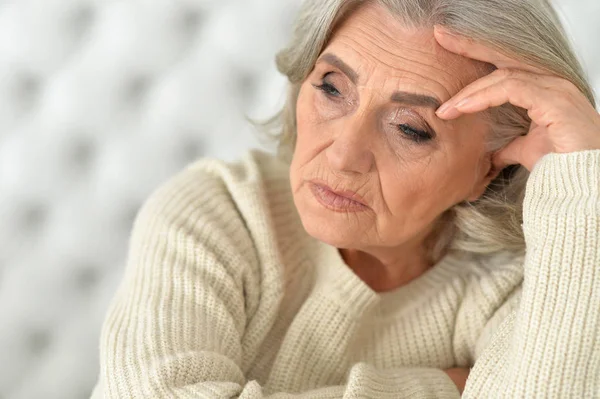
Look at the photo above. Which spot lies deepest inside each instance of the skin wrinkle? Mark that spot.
(375, 26)
(416, 49)
(359, 189)
(421, 76)
(332, 60)
(413, 72)
(352, 141)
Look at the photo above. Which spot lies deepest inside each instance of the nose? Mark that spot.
(350, 150)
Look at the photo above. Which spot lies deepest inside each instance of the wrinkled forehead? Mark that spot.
(383, 51)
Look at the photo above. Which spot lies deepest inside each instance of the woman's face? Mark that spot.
(367, 129)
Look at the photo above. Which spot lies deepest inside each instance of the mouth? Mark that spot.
(338, 201)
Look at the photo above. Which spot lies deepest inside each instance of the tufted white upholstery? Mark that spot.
(100, 101)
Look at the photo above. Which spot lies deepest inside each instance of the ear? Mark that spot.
(486, 174)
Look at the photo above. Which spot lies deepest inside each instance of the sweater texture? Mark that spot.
(225, 295)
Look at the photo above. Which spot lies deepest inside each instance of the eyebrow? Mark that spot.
(403, 97)
(418, 100)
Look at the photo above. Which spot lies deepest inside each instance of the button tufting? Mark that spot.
(82, 154)
(26, 89)
(38, 341)
(135, 90)
(191, 20)
(32, 217)
(247, 85)
(192, 149)
(81, 20)
(86, 277)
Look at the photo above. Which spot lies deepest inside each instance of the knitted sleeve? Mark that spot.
(176, 327)
(548, 345)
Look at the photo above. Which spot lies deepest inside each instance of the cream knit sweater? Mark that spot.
(225, 295)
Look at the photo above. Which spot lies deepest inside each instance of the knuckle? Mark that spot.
(501, 72)
(510, 85)
(508, 73)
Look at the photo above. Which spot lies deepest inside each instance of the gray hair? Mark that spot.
(527, 30)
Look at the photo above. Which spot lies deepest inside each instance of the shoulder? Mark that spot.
(501, 267)
(215, 186)
(492, 277)
(255, 166)
(211, 200)
(209, 177)
(494, 280)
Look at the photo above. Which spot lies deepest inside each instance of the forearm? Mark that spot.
(548, 346)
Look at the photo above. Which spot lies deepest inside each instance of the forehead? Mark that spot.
(382, 50)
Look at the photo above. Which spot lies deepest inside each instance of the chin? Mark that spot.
(331, 234)
(341, 230)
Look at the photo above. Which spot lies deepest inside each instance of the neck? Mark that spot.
(386, 269)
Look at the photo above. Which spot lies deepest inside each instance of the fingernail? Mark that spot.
(462, 102)
(441, 110)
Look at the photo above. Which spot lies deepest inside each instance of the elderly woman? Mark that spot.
(398, 243)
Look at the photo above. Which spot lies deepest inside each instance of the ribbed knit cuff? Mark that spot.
(365, 381)
(563, 182)
(552, 344)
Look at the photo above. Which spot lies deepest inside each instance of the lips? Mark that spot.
(337, 200)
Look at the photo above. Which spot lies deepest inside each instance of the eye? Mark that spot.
(413, 134)
(328, 88)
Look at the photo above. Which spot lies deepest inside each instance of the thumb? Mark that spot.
(511, 154)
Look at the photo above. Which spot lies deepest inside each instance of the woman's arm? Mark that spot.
(185, 310)
(549, 346)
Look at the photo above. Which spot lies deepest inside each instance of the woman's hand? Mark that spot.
(459, 375)
(563, 120)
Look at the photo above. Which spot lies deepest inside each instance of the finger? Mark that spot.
(519, 92)
(472, 88)
(541, 84)
(511, 154)
(470, 48)
(525, 150)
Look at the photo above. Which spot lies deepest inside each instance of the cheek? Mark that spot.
(408, 191)
(314, 110)
(306, 135)
(418, 192)
(306, 118)
(312, 131)
(302, 104)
